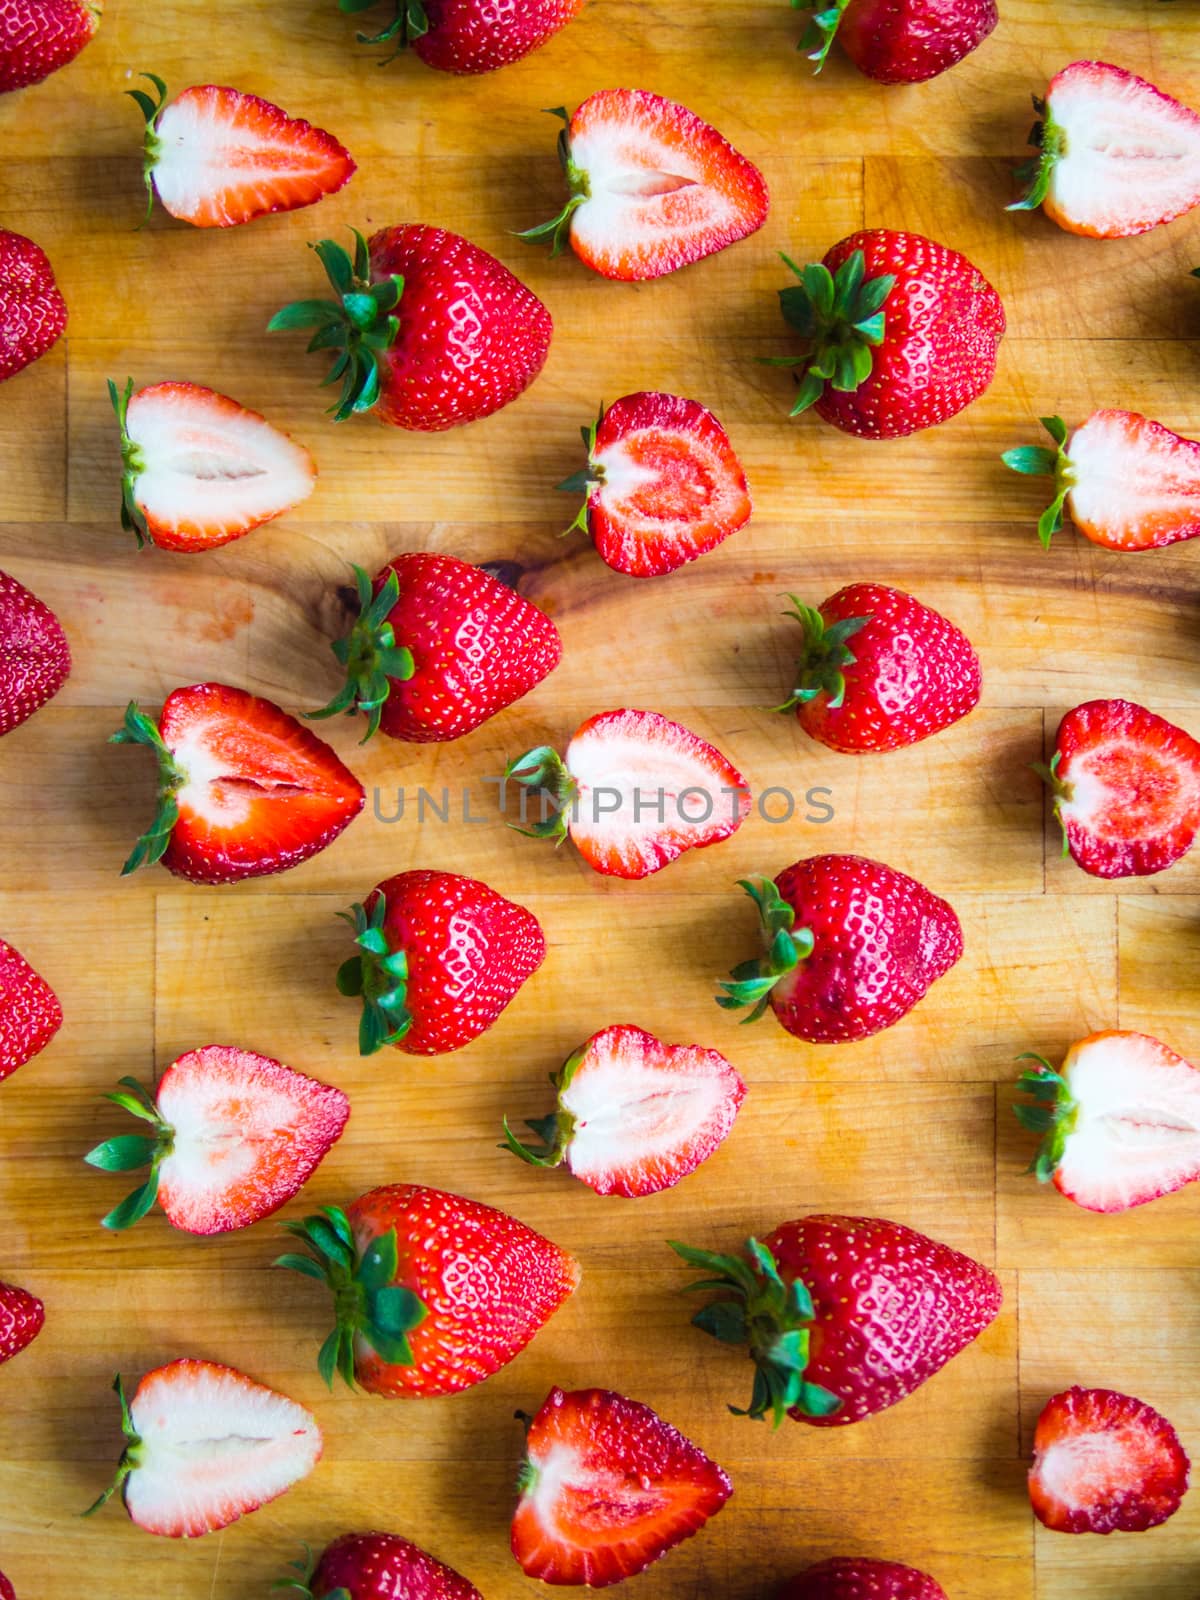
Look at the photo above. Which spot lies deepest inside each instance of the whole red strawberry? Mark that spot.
(901, 333)
(30, 1014)
(851, 946)
(21, 1317)
(440, 956)
(427, 330)
(35, 658)
(377, 1566)
(860, 1578)
(438, 648)
(39, 36)
(900, 41)
(844, 1316)
(879, 670)
(467, 36)
(433, 1293)
(33, 312)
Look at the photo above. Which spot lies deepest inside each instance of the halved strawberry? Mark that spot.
(653, 187)
(1117, 156)
(22, 1317)
(204, 1446)
(662, 484)
(216, 157)
(30, 1014)
(635, 1115)
(236, 1135)
(1126, 786)
(607, 1488)
(634, 791)
(199, 469)
(244, 789)
(1104, 1462)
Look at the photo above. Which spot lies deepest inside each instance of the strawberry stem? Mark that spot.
(1061, 791)
(133, 464)
(379, 975)
(819, 669)
(410, 22)
(581, 482)
(555, 1131)
(369, 653)
(558, 229)
(543, 768)
(841, 319)
(150, 106)
(1053, 1113)
(817, 39)
(151, 847)
(130, 1456)
(751, 982)
(128, 1151)
(1051, 143)
(1035, 461)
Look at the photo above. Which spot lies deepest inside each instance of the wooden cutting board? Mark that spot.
(914, 1124)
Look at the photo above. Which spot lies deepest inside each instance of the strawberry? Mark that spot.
(428, 331)
(433, 1293)
(439, 647)
(607, 1488)
(635, 1115)
(30, 1014)
(880, 670)
(7, 1592)
(1120, 1120)
(35, 658)
(851, 946)
(1126, 788)
(236, 1135)
(468, 36)
(22, 1316)
(33, 312)
(633, 791)
(899, 41)
(244, 789)
(860, 1578)
(216, 157)
(652, 187)
(440, 957)
(199, 470)
(39, 36)
(900, 333)
(1104, 1463)
(844, 1316)
(1127, 483)
(204, 1446)
(1115, 157)
(662, 484)
(376, 1566)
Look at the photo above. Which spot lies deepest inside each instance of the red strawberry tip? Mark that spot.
(129, 1151)
(841, 319)
(132, 464)
(819, 669)
(558, 229)
(150, 848)
(581, 482)
(554, 1131)
(1035, 461)
(754, 1306)
(150, 107)
(817, 39)
(543, 768)
(1048, 140)
(130, 1456)
(1052, 1113)
(379, 976)
(370, 655)
(751, 982)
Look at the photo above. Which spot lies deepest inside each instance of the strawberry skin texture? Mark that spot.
(911, 41)
(1104, 1462)
(30, 1014)
(488, 1282)
(860, 1578)
(35, 658)
(39, 36)
(383, 1566)
(608, 1488)
(467, 36)
(33, 312)
(1135, 485)
(21, 1318)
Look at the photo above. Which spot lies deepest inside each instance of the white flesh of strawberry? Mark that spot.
(1131, 473)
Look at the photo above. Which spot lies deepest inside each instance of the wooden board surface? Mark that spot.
(914, 1124)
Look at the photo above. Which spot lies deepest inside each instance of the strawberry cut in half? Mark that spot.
(37, 37)
(216, 157)
(35, 658)
(1126, 789)
(468, 36)
(1126, 482)
(22, 1317)
(1104, 1462)
(199, 470)
(633, 791)
(652, 187)
(634, 1115)
(607, 1488)
(1115, 157)
(860, 1578)
(30, 1014)
(204, 1445)
(898, 41)
(662, 484)
(33, 313)
(244, 789)
(236, 1135)
(1120, 1120)
(375, 1566)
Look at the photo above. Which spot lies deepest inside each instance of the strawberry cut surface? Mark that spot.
(30, 1014)
(35, 658)
(1135, 485)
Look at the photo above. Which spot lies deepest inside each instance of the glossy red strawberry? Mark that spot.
(37, 37)
(439, 647)
(22, 1316)
(377, 1566)
(1104, 1462)
(244, 789)
(427, 330)
(433, 1293)
(7, 1592)
(30, 1014)
(439, 958)
(851, 946)
(844, 1316)
(35, 658)
(653, 187)
(900, 41)
(469, 36)
(860, 1578)
(879, 670)
(900, 333)
(1126, 787)
(607, 1488)
(33, 312)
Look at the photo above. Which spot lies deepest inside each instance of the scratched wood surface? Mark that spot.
(914, 1124)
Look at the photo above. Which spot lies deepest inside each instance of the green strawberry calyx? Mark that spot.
(304, 1569)
(558, 229)
(131, 1456)
(151, 847)
(1052, 1112)
(555, 1132)
(150, 105)
(751, 982)
(133, 464)
(370, 655)
(129, 1151)
(544, 769)
(842, 320)
(368, 1302)
(409, 22)
(359, 326)
(378, 975)
(1050, 141)
(1060, 790)
(586, 479)
(754, 1306)
(824, 658)
(1035, 461)
(817, 39)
